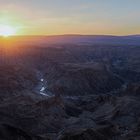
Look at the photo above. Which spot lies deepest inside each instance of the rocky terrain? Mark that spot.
(91, 92)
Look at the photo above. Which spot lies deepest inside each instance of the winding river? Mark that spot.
(41, 88)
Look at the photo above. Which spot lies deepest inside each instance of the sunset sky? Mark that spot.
(49, 17)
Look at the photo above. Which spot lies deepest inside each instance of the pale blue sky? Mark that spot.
(72, 16)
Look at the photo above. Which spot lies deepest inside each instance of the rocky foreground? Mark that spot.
(96, 93)
(25, 115)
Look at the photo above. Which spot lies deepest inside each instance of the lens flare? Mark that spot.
(7, 30)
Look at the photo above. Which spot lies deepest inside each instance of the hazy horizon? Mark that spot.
(45, 35)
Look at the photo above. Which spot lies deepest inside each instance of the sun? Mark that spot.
(7, 30)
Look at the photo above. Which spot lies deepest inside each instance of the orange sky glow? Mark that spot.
(39, 17)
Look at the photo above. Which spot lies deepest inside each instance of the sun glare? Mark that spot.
(6, 30)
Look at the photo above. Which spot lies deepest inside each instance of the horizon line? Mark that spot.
(70, 35)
